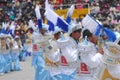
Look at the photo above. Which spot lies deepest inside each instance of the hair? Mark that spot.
(30, 30)
(79, 30)
(57, 33)
(87, 33)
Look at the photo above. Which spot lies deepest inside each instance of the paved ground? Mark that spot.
(27, 72)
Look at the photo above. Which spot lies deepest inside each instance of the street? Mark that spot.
(26, 73)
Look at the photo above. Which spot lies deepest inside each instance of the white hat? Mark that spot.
(57, 29)
(45, 26)
(74, 27)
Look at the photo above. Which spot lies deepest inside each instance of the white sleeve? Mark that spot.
(92, 60)
(54, 57)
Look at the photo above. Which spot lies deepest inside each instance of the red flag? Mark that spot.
(64, 61)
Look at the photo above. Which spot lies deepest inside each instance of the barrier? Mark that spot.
(78, 13)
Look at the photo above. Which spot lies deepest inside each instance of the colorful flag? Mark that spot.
(69, 14)
(38, 15)
(55, 20)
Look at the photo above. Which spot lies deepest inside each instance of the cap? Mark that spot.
(74, 28)
(57, 29)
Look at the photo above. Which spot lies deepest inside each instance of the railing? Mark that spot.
(65, 6)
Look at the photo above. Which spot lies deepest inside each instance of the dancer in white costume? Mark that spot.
(38, 61)
(53, 56)
(92, 56)
(69, 53)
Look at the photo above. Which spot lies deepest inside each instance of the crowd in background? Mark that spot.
(107, 11)
(21, 11)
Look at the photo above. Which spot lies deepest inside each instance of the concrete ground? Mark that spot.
(26, 73)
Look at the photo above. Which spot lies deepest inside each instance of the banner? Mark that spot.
(78, 13)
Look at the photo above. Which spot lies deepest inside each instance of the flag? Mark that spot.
(69, 14)
(38, 15)
(95, 27)
(11, 29)
(47, 5)
(3, 30)
(31, 24)
(89, 23)
(110, 35)
(51, 26)
(62, 24)
(55, 20)
(7, 31)
(4, 27)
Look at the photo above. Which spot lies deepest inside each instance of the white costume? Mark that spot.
(69, 55)
(100, 66)
(92, 60)
(29, 42)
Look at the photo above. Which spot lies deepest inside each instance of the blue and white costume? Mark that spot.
(2, 64)
(23, 53)
(5, 54)
(15, 51)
